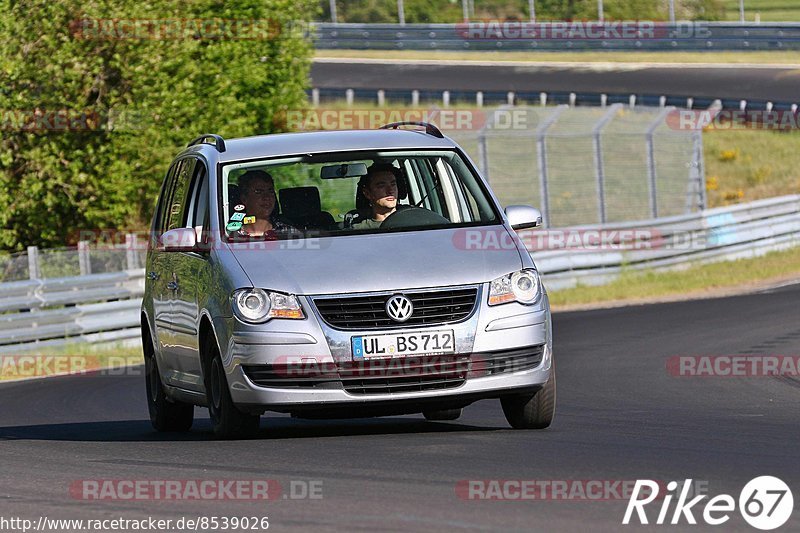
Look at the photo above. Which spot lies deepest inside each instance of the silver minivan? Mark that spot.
(340, 274)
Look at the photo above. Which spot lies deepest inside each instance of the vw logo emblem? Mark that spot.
(399, 308)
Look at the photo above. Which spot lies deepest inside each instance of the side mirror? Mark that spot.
(523, 216)
(179, 240)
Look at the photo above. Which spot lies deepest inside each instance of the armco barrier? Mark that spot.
(51, 312)
(724, 233)
(105, 307)
(511, 35)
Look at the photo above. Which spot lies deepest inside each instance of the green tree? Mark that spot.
(144, 99)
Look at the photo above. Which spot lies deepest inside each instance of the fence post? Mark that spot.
(483, 149)
(598, 160)
(33, 262)
(84, 262)
(541, 160)
(131, 247)
(697, 174)
(651, 159)
(696, 188)
(334, 18)
(483, 153)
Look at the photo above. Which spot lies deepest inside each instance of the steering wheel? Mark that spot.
(413, 216)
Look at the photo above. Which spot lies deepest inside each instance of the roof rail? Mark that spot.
(430, 129)
(219, 142)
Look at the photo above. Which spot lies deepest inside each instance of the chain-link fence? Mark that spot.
(80, 260)
(589, 165)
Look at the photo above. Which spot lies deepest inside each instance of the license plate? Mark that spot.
(402, 344)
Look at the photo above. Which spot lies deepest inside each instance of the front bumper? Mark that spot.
(299, 346)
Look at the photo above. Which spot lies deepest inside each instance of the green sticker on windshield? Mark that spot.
(237, 217)
(233, 226)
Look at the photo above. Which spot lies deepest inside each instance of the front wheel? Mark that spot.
(532, 411)
(228, 422)
(165, 414)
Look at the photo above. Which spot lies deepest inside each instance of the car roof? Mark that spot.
(275, 145)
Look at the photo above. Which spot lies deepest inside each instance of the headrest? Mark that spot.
(300, 201)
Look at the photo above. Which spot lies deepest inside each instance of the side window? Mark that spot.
(198, 213)
(177, 209)
(159, 221)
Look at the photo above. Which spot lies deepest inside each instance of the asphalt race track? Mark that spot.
(621, 416)
(725, 82)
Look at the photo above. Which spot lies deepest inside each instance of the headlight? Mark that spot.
(523, 287)
(258, 305)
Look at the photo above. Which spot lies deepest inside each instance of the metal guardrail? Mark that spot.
(724, 233)
(58, 311)
(105, 307)
(512, 35)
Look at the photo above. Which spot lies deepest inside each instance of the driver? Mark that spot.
(379, 187)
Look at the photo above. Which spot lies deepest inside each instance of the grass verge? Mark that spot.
(721, 58)
(68, 359)
(742, 166)
(768, 10)
(695, 281)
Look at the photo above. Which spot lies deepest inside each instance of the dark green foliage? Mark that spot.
(144, 98)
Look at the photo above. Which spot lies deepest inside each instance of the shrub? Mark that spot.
(140, 101)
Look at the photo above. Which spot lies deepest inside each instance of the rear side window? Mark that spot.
(178, 206)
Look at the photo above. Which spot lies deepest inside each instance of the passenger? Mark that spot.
(379, 187)
(257, 193)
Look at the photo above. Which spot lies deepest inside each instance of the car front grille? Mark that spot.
(395, 375)
(431, 307)
(408, 374)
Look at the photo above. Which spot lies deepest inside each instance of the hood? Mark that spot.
(377, 262)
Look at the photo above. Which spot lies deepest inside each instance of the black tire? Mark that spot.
(443, 414)
(532, 411)
(166, 415)
(228, 421)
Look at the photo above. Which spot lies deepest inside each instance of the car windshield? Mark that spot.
(351, 193)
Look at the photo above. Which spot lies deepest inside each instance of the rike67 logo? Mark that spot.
(765, 503)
